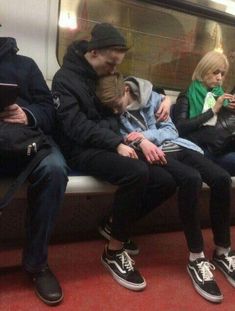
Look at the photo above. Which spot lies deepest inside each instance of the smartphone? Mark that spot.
(8, 94)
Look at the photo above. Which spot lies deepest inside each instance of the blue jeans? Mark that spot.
(45, 194)
(226, 161)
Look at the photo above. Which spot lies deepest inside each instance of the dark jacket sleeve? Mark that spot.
(75, 124)
(36, 98)
(180, 114)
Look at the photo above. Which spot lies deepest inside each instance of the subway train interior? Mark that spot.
(166, 40)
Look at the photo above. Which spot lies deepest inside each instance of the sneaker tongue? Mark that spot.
(115, 252)
(201, 259)
(231, 253)
(120, 251)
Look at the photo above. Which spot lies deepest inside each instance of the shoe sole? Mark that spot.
(49, 302)
(231, 281)
(122, 282)
(107, 237)
(211, 298)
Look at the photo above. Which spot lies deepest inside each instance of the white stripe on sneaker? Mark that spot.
(116, 264)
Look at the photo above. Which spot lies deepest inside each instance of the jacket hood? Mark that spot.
(74, 59)
(75, 49)
(8, 45)
(142, 89)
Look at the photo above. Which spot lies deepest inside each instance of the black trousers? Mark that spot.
(142, 187)
(189, 169)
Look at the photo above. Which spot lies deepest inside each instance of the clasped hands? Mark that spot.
(152, 153)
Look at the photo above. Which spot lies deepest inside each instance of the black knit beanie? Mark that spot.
(104, 35)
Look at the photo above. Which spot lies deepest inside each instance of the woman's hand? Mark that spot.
(231, 105)
(126, 151)
(219, 103)
(163, 111)
(153, 154)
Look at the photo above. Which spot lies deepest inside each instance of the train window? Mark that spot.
(226, 6)
(166, 44)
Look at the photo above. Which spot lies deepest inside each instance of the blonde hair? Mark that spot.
(110, 88)
(211, 61)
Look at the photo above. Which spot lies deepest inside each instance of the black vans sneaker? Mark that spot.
(130, 247)
(203, 280)
(122, 269)
(226, 264)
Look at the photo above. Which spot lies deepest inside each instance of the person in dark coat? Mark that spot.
(34, 107)
(89, 137)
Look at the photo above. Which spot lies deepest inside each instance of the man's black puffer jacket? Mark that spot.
(85, 126)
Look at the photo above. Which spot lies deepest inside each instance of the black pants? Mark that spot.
(189, 169)
(142, 187)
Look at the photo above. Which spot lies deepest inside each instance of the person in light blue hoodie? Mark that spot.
(158, 143)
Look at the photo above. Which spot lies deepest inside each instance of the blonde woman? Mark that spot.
(196, 110)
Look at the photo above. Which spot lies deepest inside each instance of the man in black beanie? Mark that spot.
(105, 35)
(89, 137)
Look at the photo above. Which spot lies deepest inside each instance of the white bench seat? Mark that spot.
(76, 185)
(79, 185)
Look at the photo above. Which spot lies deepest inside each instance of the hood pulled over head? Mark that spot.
(8, 45)
(142, 89)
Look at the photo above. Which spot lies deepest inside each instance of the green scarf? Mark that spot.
(196, 95)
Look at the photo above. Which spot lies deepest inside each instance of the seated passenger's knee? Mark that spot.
(140, 171)
(170, 185)
(57, 172)
(53, 171)
(223, 180)
(193, 180)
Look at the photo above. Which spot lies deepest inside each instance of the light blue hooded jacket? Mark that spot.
(148, 103)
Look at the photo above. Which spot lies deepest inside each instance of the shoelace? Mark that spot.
(231, 262)
(126, 261)
(204, 268)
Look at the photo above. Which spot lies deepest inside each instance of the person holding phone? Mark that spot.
(201, 104)
(33, 106)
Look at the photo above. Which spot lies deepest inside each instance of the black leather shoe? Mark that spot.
(47, 286)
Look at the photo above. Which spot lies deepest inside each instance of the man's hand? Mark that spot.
(133, 136)
(153, 154)
(14, 114)
(163, 111)
(126, 151)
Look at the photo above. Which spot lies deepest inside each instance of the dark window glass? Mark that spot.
(165, 44)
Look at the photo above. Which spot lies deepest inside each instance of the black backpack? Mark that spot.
(24, 144)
